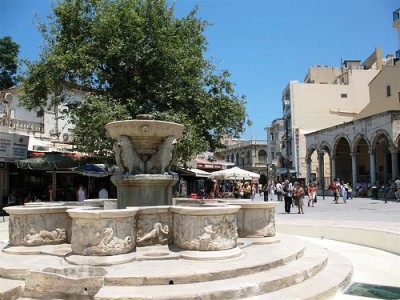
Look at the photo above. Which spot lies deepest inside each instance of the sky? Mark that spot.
(265, 44)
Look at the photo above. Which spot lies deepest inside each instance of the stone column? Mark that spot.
(333, 167)
(321, 170)
(393, 153)
(353, 169)
(372, 166)
(308, 172)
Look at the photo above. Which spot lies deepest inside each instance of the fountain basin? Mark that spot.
(37, 225)
(103, 232)
(255, 219)
(205, 228)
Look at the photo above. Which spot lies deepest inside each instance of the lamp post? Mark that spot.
(287, 150)
(243, 163)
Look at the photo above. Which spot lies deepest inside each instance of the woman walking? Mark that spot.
(271, 191)
(299, 197)
(311, 194)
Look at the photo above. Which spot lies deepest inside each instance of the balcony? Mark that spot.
(26, 126)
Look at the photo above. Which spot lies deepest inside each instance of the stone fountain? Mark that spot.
(144, 152)
(92, 251)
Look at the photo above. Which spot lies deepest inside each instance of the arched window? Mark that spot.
(262, 156)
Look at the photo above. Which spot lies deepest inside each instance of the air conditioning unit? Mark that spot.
(67, 137)
(40, 148)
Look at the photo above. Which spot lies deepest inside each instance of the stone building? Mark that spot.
(249, 155)
(47, 133)
(367, 147)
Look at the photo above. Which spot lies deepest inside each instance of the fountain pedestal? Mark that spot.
(144, 189)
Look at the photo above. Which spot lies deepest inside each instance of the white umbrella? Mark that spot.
(233, 174)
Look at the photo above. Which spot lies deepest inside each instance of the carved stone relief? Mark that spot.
(129, 162)
(38, 229)
(153, 229)
(104, 237)
(205, 232)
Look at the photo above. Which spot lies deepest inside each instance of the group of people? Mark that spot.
(294, 194)
(245, 191)
(341, 189)
(81, 193)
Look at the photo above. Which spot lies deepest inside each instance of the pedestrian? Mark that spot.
(278, 189)
(286, 192)
(260, 187)
(299, 197)
(334, 189)
(27, 197)
(311, 194)
(271, 191)
(247, 190)
(216, 189)
(81, 193)
(12, 198)
(51, 192)
(253, 192)
(103, 193)
(265, 191)
(343, 191)
(349, 191)
(236, 191)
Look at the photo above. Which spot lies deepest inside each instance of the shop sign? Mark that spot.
(13, 146)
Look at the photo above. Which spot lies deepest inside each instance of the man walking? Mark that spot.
(278, 187)
(287, 194)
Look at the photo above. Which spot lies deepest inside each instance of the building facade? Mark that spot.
(366, 148)
(249, 155)
(328, 96)
(50, 132)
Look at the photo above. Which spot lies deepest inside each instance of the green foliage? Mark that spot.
(8, 62)
(134, 57)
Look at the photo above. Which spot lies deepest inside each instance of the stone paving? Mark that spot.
(370, 265)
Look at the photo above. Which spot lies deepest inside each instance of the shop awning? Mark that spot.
(194, 173)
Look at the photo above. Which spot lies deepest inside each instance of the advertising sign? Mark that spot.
(13, 146)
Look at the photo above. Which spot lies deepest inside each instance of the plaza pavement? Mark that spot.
(371, 265)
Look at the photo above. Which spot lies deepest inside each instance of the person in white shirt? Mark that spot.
(103, 193)
(81, 193)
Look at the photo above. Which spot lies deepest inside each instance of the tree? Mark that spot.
(132, 57)
(8, 62)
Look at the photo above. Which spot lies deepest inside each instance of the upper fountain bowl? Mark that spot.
(144, 125)
(144, 132)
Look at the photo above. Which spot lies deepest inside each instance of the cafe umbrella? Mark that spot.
(51, 161)
(90, 170)
(234, 174)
